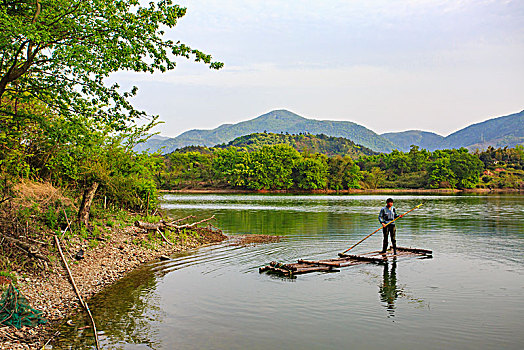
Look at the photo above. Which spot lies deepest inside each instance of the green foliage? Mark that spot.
(11, 276)
(413, 180)
(271, 167)
(466, 168)
(76, 152)
(311, 173)
(420, 168)
(43, 215)
(496, 157)
(267, 167)
(503, 167)
(513, 180)
(374, 178)
(398, 162)
(519, 150)
(440, 173)
(417, 158)
(232, 165)
(127, 179)
(51, 216)
(60, 123)
(61, 52)
(343, 173)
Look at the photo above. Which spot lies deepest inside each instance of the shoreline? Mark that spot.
(51, 291)
(350, 191)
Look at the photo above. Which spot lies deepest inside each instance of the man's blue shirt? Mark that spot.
(387, 214)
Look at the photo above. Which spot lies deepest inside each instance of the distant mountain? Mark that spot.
(154, 143)
(496, 132)
(327, 145)
(276, 122)
(424, 139)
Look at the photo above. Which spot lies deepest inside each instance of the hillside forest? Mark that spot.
(251, 163)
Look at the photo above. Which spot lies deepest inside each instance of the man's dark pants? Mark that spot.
(389, 230)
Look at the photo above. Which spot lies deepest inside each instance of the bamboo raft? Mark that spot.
(344, 260)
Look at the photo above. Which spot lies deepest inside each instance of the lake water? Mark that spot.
(470, 295)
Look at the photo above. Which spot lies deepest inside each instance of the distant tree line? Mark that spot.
(268, 167)
(280, 166)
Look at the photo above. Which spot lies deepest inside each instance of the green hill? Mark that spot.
(276, 122)
(154, 143)
(497, 132)
(327, 145)
(423, 139)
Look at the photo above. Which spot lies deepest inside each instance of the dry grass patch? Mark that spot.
(43, 193)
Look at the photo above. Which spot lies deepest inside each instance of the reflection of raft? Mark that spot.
(331, 265)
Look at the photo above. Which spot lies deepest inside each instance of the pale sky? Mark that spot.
(434, 65)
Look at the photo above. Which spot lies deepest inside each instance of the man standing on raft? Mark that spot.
(388, 214)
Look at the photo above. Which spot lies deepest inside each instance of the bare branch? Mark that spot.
(179, 220)
(191, 225)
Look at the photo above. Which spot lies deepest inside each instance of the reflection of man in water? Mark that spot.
(388, 290)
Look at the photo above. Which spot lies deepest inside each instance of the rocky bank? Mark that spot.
(52, 292)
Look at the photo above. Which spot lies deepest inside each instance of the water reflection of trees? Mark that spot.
(123, 312)
(388, 289)
(285, 222)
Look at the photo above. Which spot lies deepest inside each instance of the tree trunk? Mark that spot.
(87, 199)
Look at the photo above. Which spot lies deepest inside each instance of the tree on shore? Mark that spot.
(60, 52)
(310, 173)
(56, 57)
(374, 178)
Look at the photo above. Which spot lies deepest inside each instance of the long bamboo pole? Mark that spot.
(378, 229)
(82, 302)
